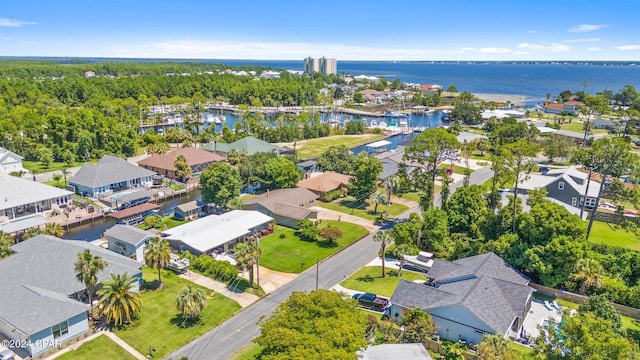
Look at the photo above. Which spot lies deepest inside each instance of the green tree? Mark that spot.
(235, 156)
(309, 230)
(183, 169)
(467, 113)
(495, 347)
(418, 326)
(481, 144)
(429, 149)
(593, 104)
(152, 221)
(589, 273)
(602, 308)
(337, 159)
(6, 241)
(557, 147)
(385, 239)
(35, 231)
(321, 324)
(467, 209)
(401, 250)
(455, 128)
(191, 301)
(57, 177)
(377, 198)
(157, 254)
(452, 88)
(280, 173)
(247, 255)
(118, 302)
(435, 231)
(330, 234)
(366, 170)
(53, 229)
(219, 183)
(519, 161)
(87, 266)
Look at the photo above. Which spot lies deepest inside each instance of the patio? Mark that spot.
(537, 314)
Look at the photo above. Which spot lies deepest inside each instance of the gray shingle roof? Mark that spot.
(109, 170)
(249, 144)
(285, 202)
(37, 280)
(128, 234)
(488, 264)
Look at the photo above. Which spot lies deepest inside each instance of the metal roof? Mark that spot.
(15, 191)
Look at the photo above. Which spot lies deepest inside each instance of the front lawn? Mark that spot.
(314, 147)
(101, 347)
(291, 254)
(159, 324)
(369, 279)
(607, 234)
(362, 209)
(248, 352)
(457, 169)
(54, 166)
(168, 221)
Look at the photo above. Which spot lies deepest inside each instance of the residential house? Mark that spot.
(9, 161)
(128, 241)
(570, 107)
(41, 302)
(248, 145)
(324, 182)
(287, 206)
(25, 204)
(197, 159)
(468, 298)
(188, 211)
(391, 161)
(603, 124)
(567, 186)
(109, 175)
(89, 73)
(216, 234)
(308, 166)
(430, 88)
(375, 96)
(576, 137)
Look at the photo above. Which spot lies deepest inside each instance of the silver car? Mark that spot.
(7, 355)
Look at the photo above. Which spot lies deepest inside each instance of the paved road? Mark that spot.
(238, 331)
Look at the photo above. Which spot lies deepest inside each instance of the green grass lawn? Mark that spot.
(54, 166)
(159, 324)
(294, 255)
(362, 209)
(578, 127)
(369, 279)
(523, 351)
(173, 186)
(169, 221)
(603, 233)
(248, 352)
(314, 147)
(59, 184)
(101, 347)
(457, 169)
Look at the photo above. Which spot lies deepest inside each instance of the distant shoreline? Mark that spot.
(503, 98)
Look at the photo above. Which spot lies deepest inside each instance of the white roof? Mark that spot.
(546, 129)
(15, 191)
(212, 231)
(378, 144)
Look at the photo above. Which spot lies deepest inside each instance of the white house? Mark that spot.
(9, 161)
(42, 301)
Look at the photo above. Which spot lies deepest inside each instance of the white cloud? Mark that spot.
(587, 27)
(4, 22)
(495, 50)
(593, 48)
(583, 40)
(554, 47)
(628, 47)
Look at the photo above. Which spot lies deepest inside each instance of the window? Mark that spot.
(479, 332)
(591, 202)
(60, 329)
(561, 185)
(574, 201)
(581, 200)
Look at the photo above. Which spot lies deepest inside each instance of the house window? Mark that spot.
(561, 185)
(591, 202)
(574, 201)
(479, 332)
(581, 200)
(60, 329)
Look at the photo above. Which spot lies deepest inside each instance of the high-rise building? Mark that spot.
(324, 65)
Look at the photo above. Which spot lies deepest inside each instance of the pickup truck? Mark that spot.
(372, 301)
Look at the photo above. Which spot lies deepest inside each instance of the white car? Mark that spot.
(7, 355)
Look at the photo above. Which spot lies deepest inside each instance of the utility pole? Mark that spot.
(317, 272)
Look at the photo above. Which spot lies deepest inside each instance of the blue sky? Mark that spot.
(346, 29)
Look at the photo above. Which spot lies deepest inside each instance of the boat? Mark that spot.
(219, 119)
(403, 122)
(392, 123)
(446, 115)
(395, 114)
(373, 123)
(382, 124)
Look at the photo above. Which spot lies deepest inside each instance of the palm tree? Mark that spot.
(385, 239)
(33, 173)
(5, 245)
(191, 301)
(53, 229)
(117, 301)
(377, 199)
(158, 254)
(495, 347)
(246, 256)
(87, 266)
(57, 177)
(65, 173)
(589, 273)
(183, 170)
(400, 251)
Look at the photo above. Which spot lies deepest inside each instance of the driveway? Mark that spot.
(242, 298)
(327, 214)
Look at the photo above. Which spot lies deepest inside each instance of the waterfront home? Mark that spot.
(216, 234)
(430, 88)
(42, 302)
(109, 175)
(9, 161)
(249, 145)
(25, 204)
(164, 164)
(468, 298)
(567, 186)
(322, 183)
(287, 206)
(570, 107)
(188, 211)
(128, 241)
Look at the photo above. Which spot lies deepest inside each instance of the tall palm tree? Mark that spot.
(183, 170)
(589, 273)
(54, 229)
(377, 199)
(5, 245)
(246, 256)
(118, 302)
(57, 177)
(65, 173)
(191, 301)
(158, 254)
(87, 267)
(385, 239)
(400, 251)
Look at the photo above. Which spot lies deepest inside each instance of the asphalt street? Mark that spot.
(238, 331)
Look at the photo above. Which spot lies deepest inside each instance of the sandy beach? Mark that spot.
(514, 98)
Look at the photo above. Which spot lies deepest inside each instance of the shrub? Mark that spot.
(330, 234)
(332, 195)
(282, 236)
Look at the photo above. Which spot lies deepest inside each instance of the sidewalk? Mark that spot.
(327, 214)
(242, 298)
(110, 335)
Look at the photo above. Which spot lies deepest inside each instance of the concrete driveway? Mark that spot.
(327, 214)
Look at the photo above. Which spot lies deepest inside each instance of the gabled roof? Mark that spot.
(15, 191)
(37, 280)
(323, 182)
(285, 202)
(5, 154)
(567, 175)
(194, 156)
(189, 206)
(128, 234)
(249, 144)
(109, 170)
(488, 264)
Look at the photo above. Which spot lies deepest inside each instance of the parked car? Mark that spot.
(7, 355)
(372, 301)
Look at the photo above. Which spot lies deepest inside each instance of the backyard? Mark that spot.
(160, 325)
(607, 234)
(362, 209)
(291, 254)
(167, 221)
(101, 345)
(314, 147)
(369, 279)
